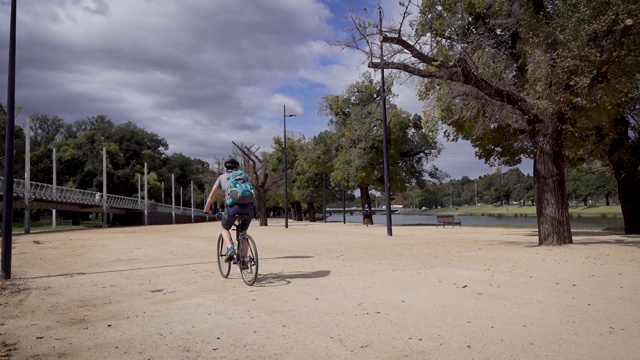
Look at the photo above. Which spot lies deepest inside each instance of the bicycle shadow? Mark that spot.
(288, 257)
(282, 278)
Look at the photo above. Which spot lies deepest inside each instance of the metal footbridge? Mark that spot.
(46, 196)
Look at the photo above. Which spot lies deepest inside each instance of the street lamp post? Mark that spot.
(27, 174)
(324, 204)
(385, 140)
(146, 198)
(7, 218)
(105, 215)
(55, 181)
(286, 200)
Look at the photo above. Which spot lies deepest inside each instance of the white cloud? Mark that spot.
(199, 73)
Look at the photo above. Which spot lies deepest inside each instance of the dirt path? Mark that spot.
(325, 291)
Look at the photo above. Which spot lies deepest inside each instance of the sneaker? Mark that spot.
(230, 255)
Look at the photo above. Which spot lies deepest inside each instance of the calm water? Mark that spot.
(529, 221)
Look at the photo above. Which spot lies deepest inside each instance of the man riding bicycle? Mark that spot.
(230, 211)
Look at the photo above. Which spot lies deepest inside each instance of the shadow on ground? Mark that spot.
(282, 278)
(288, 257)
(592, 237)
(113, 271)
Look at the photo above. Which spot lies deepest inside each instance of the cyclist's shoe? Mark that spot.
(231, 254)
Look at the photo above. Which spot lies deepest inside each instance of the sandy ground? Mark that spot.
(325, 291)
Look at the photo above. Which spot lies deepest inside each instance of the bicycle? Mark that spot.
(246, 256)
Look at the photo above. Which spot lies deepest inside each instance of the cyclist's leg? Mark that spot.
(244, 225)
(244, 209)
(228, 218)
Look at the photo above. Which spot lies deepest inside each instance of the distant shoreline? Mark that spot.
(516, 210)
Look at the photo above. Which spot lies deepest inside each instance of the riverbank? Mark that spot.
(325, 290)
(517, 210)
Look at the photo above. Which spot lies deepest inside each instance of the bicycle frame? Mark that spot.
(246, 255)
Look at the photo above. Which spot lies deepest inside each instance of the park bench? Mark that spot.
(448, 220)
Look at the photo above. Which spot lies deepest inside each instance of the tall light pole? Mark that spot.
(385, 142)
(192, 204)
(55, 182)
(173, 199)
(146, 199)
(27, 174)
(324, 203)
(105, 214)
(7, 218)
(286, 179)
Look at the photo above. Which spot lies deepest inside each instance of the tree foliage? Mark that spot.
(516, 78)
(79, 158)
(356, 121)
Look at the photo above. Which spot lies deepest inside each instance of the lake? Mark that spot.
(520, 221)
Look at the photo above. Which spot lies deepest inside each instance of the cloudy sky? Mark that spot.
(199, 73)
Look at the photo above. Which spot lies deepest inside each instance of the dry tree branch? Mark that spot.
(460, 72)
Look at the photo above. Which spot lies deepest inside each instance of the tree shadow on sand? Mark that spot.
(285, 278)
(605, 237)
(594, 237)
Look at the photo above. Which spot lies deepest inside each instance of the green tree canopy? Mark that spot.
(356, 120)
(514, 78)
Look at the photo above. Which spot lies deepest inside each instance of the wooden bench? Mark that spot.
(448, 219)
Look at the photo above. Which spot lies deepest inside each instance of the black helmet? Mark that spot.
(231, 164)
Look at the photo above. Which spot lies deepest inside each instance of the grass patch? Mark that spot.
(45, 225)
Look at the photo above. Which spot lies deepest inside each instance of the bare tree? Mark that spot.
(256, 167)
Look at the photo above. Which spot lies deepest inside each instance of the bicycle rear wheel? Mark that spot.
(249, 262)
(221, 254)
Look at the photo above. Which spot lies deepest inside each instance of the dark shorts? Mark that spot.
(230, 212)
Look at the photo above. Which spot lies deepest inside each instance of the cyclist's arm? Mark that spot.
(212, 195)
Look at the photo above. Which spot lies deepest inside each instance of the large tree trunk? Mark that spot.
(624, 160)
(295, 210)
(552, 205)
(261, 208)
(312, 211)
(629, 193)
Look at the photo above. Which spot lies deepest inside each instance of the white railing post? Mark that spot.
(53, 212)
(146, 200)
(173, 199)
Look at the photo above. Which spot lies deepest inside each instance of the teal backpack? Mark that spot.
(240, 188)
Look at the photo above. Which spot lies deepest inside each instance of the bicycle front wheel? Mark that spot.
(221, 254)
(249, 261)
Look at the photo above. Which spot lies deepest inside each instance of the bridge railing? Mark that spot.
(124, 202)
(86, 197)
(156, 207)
(55, 193)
